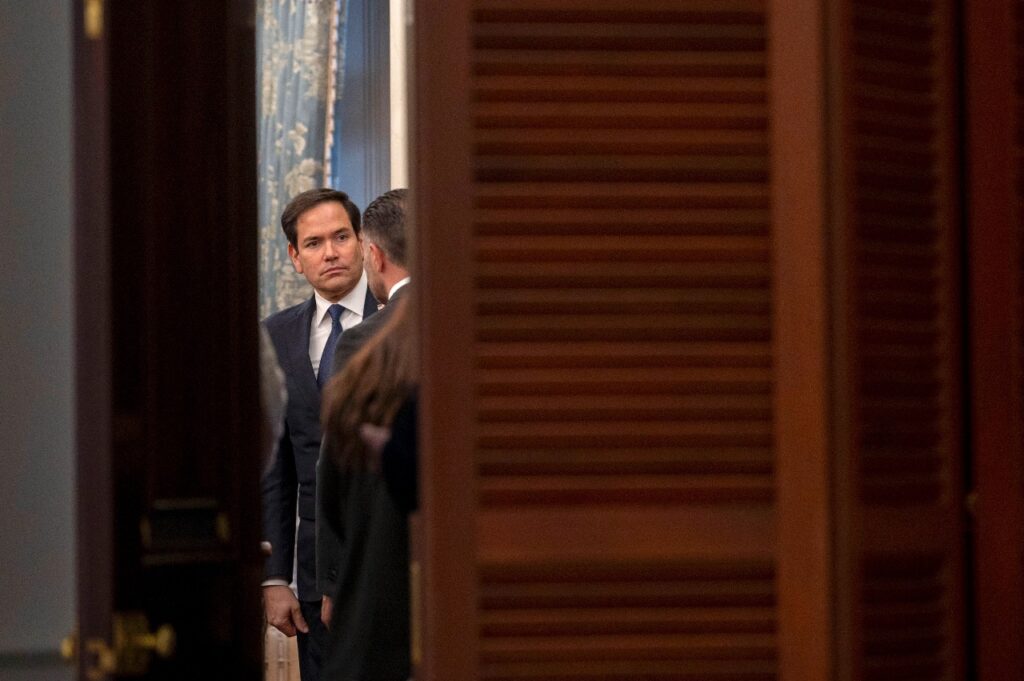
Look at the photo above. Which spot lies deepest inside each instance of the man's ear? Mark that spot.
(293, 253)
(377, 257)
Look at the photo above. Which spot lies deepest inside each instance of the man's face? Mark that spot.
(328, 253)
(371, 263)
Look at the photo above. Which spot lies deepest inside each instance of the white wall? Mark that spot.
(400, 20)
(36, 370)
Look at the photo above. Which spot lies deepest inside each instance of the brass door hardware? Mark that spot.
(101, 660)
(69, 647)
(131, 651)
(93, 19)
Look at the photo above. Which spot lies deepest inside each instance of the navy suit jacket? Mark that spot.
(289, 483)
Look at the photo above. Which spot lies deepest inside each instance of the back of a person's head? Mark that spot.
(384, 223)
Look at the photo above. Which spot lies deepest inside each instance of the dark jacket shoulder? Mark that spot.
(286, 320)
(353, 339)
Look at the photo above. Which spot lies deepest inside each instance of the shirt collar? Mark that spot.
(398, 284)
(354, 301)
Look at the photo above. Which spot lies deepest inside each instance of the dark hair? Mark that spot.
(384, 223)
(371, 388)
(314, 197)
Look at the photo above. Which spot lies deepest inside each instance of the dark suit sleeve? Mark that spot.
(350, 342)
(399, 458)
(280, 490)
(329, 526)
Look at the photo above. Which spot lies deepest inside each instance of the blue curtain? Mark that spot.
(293, 39)
(360, 162)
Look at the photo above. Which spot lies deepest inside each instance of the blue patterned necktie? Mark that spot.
(323, 374)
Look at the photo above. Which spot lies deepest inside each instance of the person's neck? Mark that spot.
(335, 297)
(332, 297)
(390, 281)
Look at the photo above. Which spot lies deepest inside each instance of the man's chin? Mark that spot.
(336, 287)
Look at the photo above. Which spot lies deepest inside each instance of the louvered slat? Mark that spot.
(554, 275)
(606, 621)
(909, 265)
(904, 610)
(904, 296)
(623, 328)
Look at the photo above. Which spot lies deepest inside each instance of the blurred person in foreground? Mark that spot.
(376, 371)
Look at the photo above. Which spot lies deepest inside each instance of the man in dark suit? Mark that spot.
(362, 538)
(323, 231)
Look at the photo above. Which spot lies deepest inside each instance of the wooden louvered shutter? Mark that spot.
(595, 259)
(994, 77)
(898, 275)
(689, 279)
(868, 250)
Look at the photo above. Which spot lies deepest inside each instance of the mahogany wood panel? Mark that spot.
(440, 134)
(995, 109)
(805, 544)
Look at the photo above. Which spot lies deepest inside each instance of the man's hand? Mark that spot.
(326, 610)
(282, 610)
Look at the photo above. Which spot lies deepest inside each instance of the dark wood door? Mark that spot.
(703, 415)
(166, 339)
(994, 74)
(593, 205)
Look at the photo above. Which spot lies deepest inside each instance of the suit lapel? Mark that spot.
(298, 351)
(371, 304)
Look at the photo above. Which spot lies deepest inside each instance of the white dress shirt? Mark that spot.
(354, 302)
